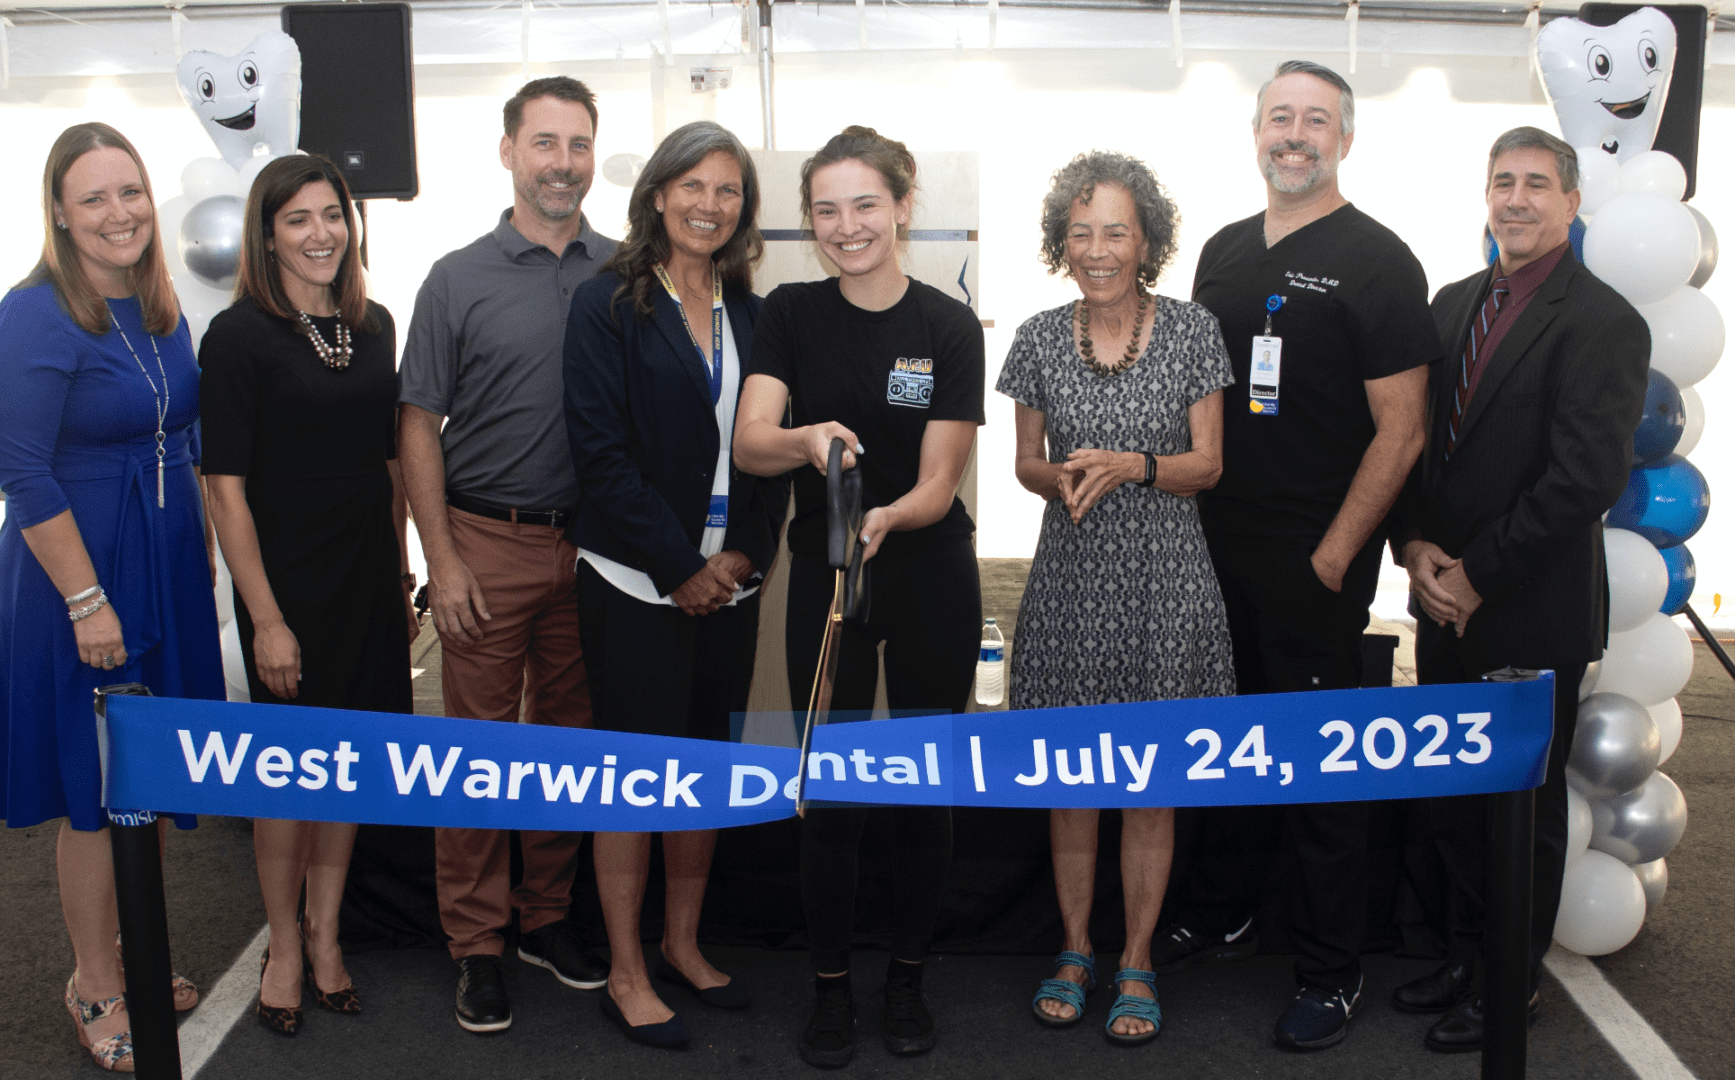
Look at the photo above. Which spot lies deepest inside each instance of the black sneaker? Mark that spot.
(1178, 948)
(482, 1002)
(1317, 1018)
(909, 1025)
(829, 1040)
(557, 948)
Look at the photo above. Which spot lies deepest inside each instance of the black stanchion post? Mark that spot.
(1506, 940)
(144, 922)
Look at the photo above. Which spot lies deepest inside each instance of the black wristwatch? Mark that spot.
(1150, 470)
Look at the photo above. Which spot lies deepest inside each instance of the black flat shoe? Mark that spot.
(1434, 992)
(668, 1035)
(283, 1021)
(731, 995)
(1460, 1031)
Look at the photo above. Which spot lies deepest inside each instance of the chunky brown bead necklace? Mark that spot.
(1088, 352)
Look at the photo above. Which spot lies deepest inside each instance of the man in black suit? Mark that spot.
(1531, 418)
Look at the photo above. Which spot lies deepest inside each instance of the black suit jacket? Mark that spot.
(645, 441)
(1545, 450)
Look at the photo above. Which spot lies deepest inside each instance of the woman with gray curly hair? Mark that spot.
(1119, 421)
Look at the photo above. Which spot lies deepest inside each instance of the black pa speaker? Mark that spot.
(1678, 127)
(358, 93)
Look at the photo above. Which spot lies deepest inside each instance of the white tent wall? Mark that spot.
(1431, 98)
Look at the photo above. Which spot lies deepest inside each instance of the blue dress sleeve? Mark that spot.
(38, 360)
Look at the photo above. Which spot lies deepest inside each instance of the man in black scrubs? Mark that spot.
(1325, 314)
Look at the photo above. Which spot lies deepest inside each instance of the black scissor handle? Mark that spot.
(836, 509)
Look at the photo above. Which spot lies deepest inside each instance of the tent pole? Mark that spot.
(765, 75)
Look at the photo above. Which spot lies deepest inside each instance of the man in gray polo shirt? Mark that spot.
(491, 491)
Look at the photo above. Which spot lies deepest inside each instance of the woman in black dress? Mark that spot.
(299, 402)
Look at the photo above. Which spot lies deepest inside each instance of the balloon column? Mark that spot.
(250, 104)
(1624, 816)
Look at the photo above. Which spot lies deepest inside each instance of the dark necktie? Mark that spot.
(1472, 360)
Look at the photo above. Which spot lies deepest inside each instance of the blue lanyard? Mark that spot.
(1272, 303)
(713, 370)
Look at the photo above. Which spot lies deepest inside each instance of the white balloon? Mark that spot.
(1654, 170)
(1643, 244)
(170, 213)
(1587, 685)
(1602, 905)
(234, 667)
(1694, 409)
(1650, 663)
(1686, 335)
(250, 171)
(1638, 579)
(1599, 179)
(1578, 825)
(199, 302)
(1667, 714)
(207, 176)
(1654, 879)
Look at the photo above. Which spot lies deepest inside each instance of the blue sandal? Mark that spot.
(1066, 991)
(1136, 1007)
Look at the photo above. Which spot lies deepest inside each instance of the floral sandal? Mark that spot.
(1066, 991)
(1136, 1007)
(114, 1053)
(185, 993)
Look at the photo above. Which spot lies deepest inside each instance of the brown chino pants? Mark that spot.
(529, 653)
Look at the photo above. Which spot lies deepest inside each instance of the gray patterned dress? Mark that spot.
(1125, 606)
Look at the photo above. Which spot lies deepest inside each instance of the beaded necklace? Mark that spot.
(1088, 352)
(161, 400)
(336, 356)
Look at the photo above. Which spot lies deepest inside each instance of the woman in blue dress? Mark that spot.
(104, 572)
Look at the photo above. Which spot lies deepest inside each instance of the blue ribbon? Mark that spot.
(311, 764)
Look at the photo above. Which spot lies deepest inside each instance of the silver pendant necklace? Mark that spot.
(335, 356)
(161, 400)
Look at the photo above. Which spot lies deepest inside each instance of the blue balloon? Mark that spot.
(1662, 423)
(1665, 502)
(1683, 574)
(1574, 236)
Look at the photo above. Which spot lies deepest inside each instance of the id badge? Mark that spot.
(718, 516)
(1264, 376)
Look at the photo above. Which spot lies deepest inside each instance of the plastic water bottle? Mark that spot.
(991, 666)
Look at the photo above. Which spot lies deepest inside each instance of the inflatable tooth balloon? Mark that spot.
(1638, 579)
(1615, 748)
(1640, 826)
(1683, 575)
(1587, 685)
(1608, 83)
(1599, 179)
(1667, 716)
(1686, 335)
(1650, 664)
(1578, 825)
(1665, 502)
(250, 103)
(1602, 905)
(1661, 423)
(211, 239)
(1654, 171)
(1707, 248)
(1654, 879)
(1644, 245)
(1693, 417)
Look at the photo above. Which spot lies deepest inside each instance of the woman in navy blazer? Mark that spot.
(672, 541)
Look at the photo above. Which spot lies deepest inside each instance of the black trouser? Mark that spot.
(926, 606)
(656, 670)
(1457, 826)
(1290, 633)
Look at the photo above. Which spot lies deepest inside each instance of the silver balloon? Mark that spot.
(211, 239)
(1707, 249)
(1641, 826)
(1616, 747)
(1654, 876)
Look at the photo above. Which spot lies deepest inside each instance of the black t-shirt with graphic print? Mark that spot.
(1355, 308)
(883, 375)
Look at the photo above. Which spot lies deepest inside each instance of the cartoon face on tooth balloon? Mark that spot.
(1607, 83)
(247, 101)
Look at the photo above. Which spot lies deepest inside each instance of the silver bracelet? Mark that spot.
(85, 595)
(96, 605)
